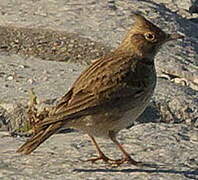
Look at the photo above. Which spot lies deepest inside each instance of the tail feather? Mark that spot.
(43, 134)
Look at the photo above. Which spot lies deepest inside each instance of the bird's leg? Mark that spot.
(101, 154)
(127, 158)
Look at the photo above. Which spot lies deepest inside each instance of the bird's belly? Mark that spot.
(118, 118)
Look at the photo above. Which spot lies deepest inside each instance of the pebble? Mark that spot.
(10, 78)
(45, 78)
(31, 81)
(194, 136)
(21, 66)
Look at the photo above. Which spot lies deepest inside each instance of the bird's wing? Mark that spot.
(99, 85)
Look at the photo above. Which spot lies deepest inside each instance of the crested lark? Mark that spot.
(111, 93)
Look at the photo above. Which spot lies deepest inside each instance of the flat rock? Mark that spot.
(99, 22)
(170, 150)
(50, 80)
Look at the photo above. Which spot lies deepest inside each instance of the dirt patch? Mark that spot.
(50, 45)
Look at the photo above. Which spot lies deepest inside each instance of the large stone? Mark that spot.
(171, 149)
(103, 24)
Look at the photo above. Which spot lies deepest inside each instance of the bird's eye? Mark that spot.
(149, 36)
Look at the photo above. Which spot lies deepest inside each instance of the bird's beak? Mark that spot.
(174, 36)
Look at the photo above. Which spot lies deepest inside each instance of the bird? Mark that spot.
(110, 94)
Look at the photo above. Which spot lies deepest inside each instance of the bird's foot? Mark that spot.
(101, 157)
(127, 160)
(116, 162)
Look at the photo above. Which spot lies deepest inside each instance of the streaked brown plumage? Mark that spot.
(111, 93)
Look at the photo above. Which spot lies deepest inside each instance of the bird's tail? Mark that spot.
(41, 135)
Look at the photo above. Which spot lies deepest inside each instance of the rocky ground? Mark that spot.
(67, 35)
(170, 149)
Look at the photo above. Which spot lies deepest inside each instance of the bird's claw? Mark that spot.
(113, 162)
(101, 157)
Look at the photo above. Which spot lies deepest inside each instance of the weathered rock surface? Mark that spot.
(172, 149)
(103, 24)
(171, 102)
(99, 27)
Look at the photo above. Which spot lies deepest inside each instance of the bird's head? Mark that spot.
(145, 38)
